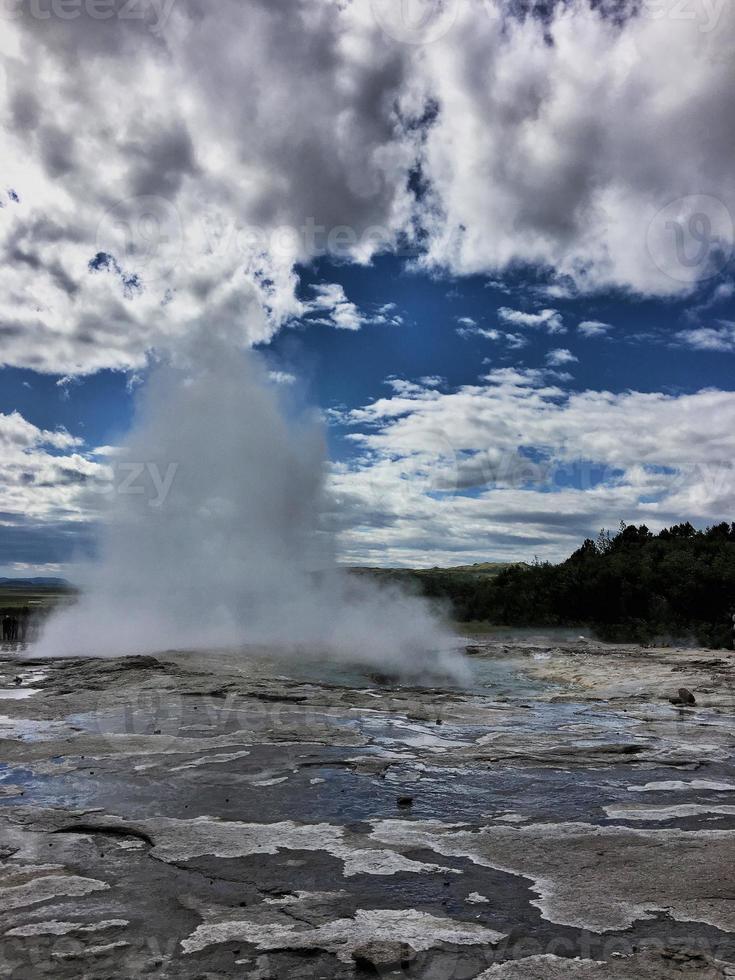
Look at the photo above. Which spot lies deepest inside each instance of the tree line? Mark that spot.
(631, 585)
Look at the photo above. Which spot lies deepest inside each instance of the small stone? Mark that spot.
(685, 696)
(405, 801)
(377, 955)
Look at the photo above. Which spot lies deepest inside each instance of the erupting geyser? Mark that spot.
(226, 545)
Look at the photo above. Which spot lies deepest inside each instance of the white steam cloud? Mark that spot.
(214, 537)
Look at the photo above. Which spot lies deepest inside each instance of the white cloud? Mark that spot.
(722, 292)
(469, 328)
(104, 451)
(577, 132)
(18, 434)
(549, 320)
(44, 483)
(282, 377)
(243, 143)
(401, 386)
(719, 338)
(560, 356)
(338, 311)
(168, 183)
(249, 137)
(547, 468)
(594, 328)
(387, 314)
(331, 298)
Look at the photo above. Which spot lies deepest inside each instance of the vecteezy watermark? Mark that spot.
(155, 13)
(143, 239)
(154, 950)
(143, 232)
(650, 955)
(160, 713)
(150, 480)
(692, 238)
(415, 21)
(171, 719)
(218, 234)
(116, 950)
(706, 14)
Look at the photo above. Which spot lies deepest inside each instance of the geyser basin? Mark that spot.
(227, 808)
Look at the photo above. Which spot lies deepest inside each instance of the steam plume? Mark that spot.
(224, 546)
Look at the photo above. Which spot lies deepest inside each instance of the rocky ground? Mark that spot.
(192, 816)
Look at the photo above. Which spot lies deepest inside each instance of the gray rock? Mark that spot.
(684, 697)
(377, 955)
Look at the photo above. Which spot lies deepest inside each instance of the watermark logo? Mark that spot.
(415, 21)
(154, 13)
(150, 480)
(707, 14)
(218, 233)
(691, 239)
(160, 714)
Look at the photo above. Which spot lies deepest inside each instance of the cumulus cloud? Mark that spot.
(247, 138)
(470, 328)
(45, 513)
(282, 377)
(16, 433)
(560, 356)
(333, 308)
(717, 338)
(546, 468)
(549, 320)
(583, 144)
(402, 386)
(386, 313)
(166, 175)
(722, 292)
(251, 137)
(594, 328)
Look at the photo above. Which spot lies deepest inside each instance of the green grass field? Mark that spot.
(34, 596)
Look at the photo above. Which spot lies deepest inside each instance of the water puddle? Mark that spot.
(28, 729)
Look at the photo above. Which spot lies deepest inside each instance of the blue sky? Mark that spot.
(493, 249)
(432, 339)
(346, 368)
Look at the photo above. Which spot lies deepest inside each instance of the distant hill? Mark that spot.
(479, 568)
(39, 582)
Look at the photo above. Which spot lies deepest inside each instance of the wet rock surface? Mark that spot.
(236, 814)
